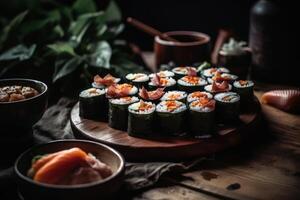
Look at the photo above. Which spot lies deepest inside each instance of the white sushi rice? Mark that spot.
(100, 86)
(170, 82)
(91, 92)
(210, 73)
(234, 97)
(184, 82)
(162, 107)
(124, 100)
(237, 84)
(182, 70)
(191, 96)
(163, 74)
(171, 94)
(137, 77)
(199, 108)
(134, 108)
(208, 88)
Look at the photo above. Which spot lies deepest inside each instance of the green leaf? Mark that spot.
(62, 47)
(113, 12)
(101, 54)
(14, 23)
(20, 52)
(64, 68)
(84, 6)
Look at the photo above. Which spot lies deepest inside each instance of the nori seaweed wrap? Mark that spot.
(191, 84)
(245, 89)
(118, 112)
(141, 119)
(138, 79)
(201, 118)
(227, 106)
(171, 117)
(93, 104)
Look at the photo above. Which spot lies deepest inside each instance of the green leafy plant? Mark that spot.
(72, 42)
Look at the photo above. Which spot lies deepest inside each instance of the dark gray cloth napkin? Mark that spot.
(55, 125)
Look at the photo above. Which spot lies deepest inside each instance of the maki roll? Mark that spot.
(93, 104)
(159, 82)
(152, 96)
(219, 77)
(210, 72)
(245, 89)
(118, 112)
(227, 106)
(184, 71)
(170, 117)
(138, 79)
(218, 87)
(174, 96)
(104, 82)
(201, 117)
(121, 90)
(198, 95)
(191, 83)
(141, 118)
(163, 74)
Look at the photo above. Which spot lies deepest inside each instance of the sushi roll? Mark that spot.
(170, 116)
(141, 118)
(227, 106)
(210, 72)
(201, 118)
(93, 104)
(184, 71)
(152, 96)
(202, 67)
(191, 83)
(163, 74)
(159, 82)
(138, 79)
(118, 112)
(219, 77)
(104, 82)
(121, 90)
(217, 87)
(174, 96)
(245, 89)
(198, 95)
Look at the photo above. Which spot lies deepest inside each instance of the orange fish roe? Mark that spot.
(174, 96)
(124, 86)
(204, 102)
(144, 106)
(191, 79)
(172, 105)
(198, 94)
(163, 81)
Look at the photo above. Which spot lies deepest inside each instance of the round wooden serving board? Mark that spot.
(165, 148)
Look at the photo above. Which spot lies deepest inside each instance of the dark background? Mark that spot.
(206, 16)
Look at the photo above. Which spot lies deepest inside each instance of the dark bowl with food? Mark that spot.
(38, 187)
(22, 103)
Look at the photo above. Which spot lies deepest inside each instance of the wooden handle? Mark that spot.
(148, 29)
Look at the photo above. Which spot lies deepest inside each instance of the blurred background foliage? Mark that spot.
(63, 43)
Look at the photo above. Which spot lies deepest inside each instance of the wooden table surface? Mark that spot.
(264, 167)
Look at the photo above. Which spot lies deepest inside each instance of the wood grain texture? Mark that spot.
(164, 148)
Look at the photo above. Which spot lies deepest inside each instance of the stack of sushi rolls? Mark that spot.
(141, 119)
(174, 95)
(93, 104)
(118, 112)
(182, 71)
(201, 117)
(198, 95)
(227, 106)
(162, 82)
(171, 117)
(138, 79)
(104, 82)
(163, 74)
(245, 89)
(191, 83)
